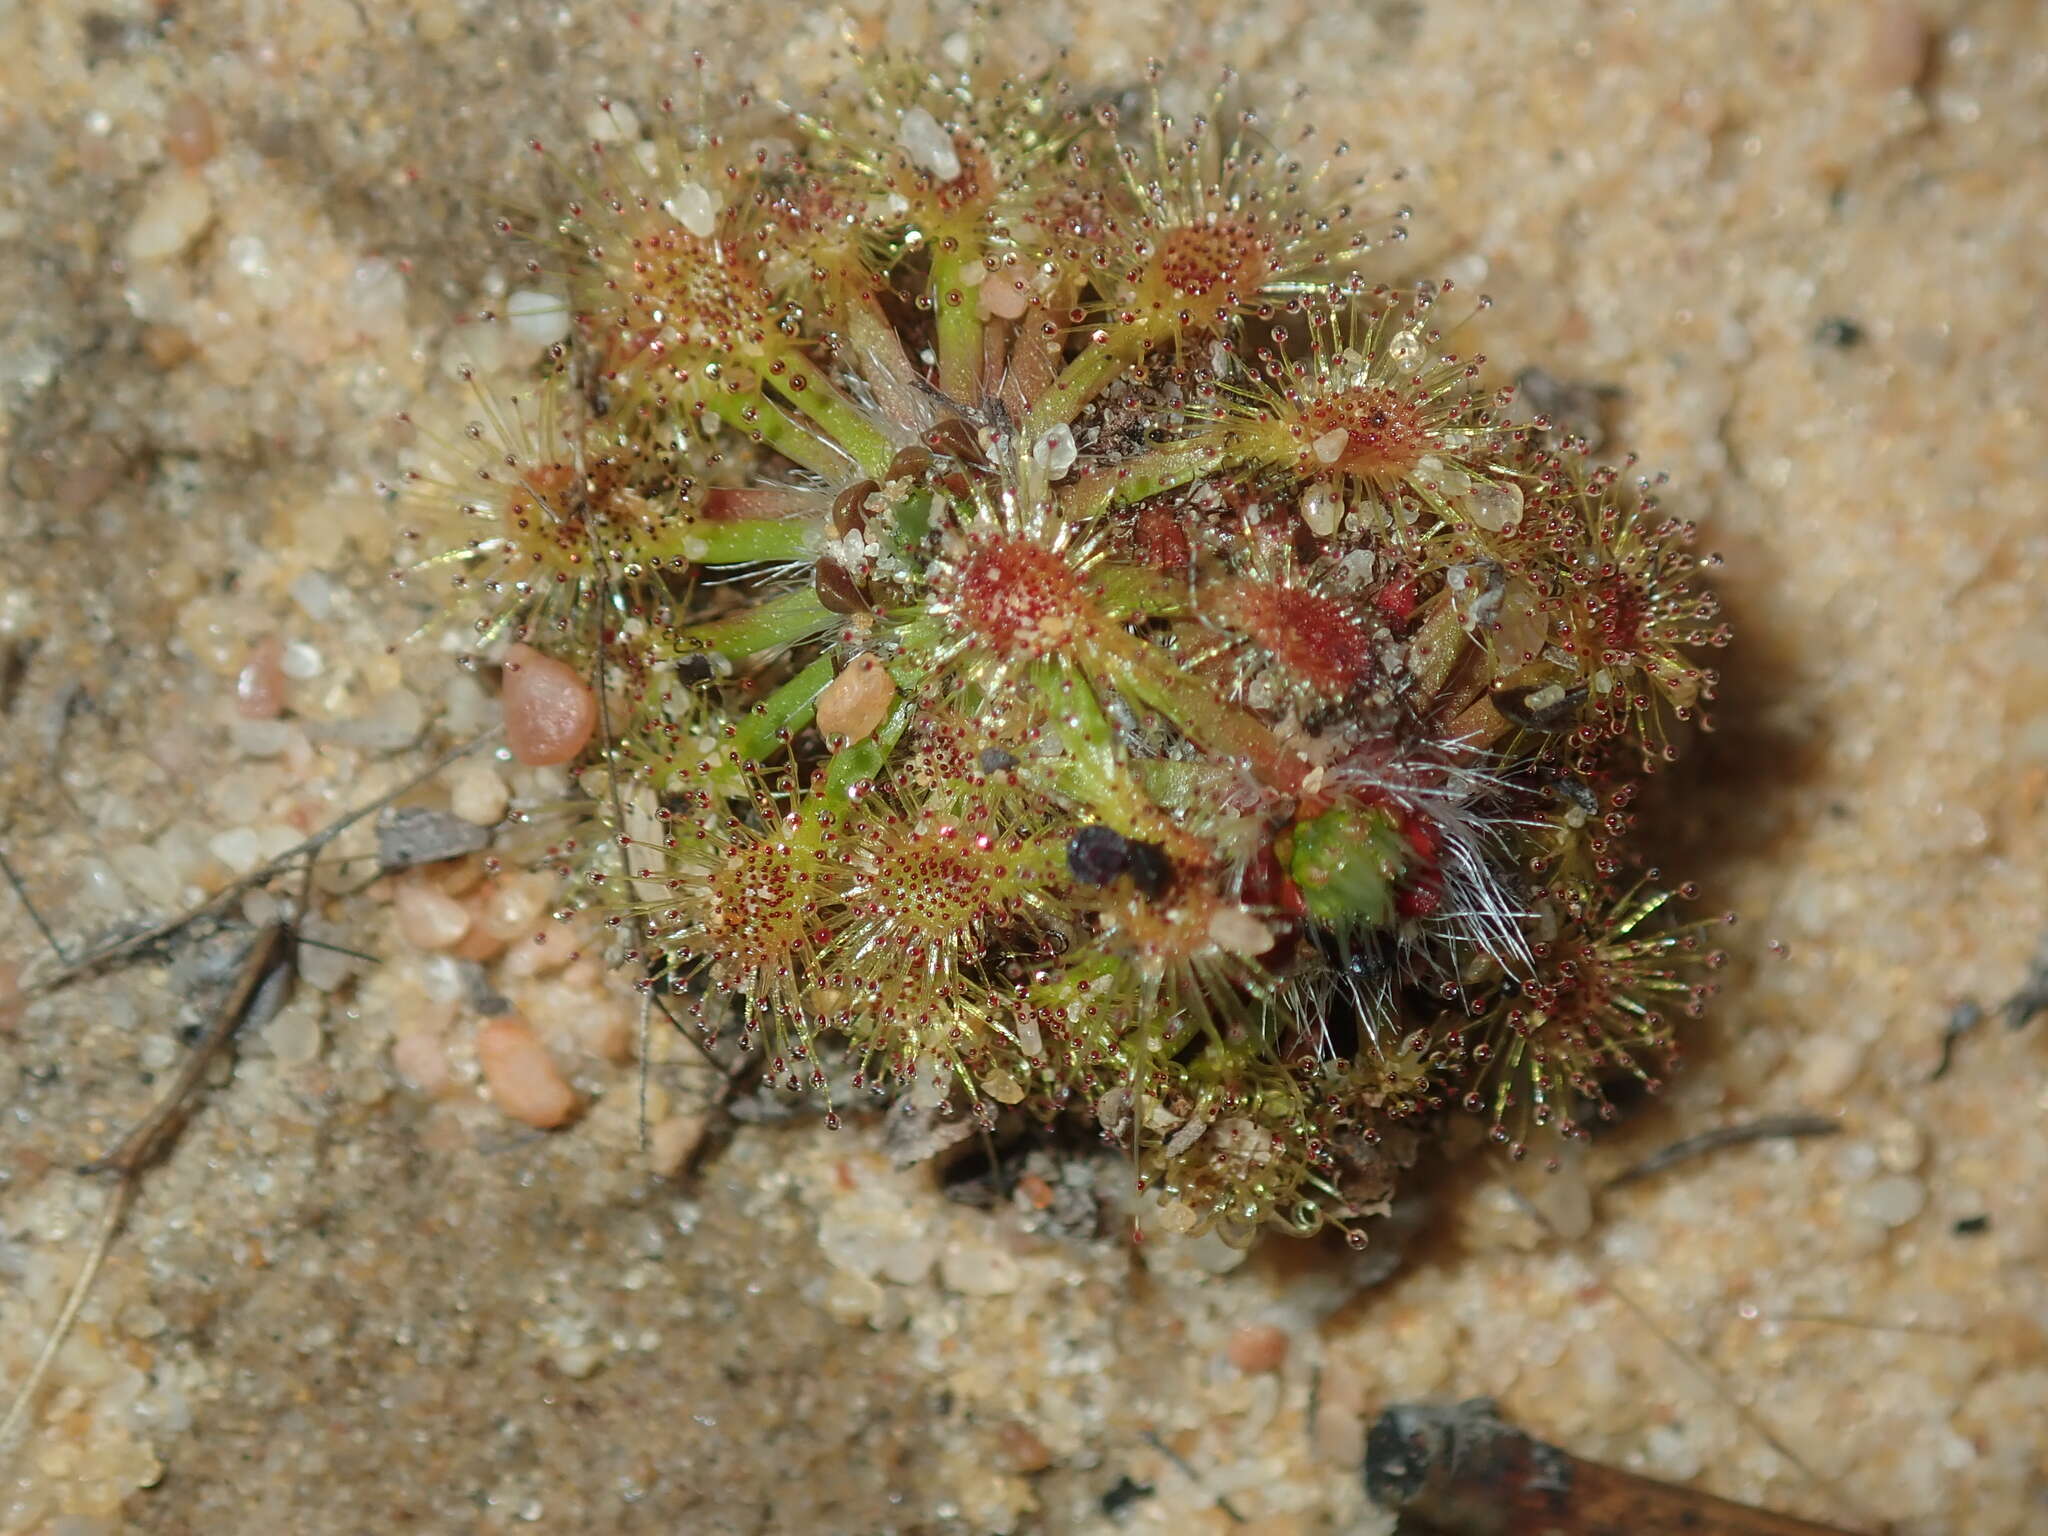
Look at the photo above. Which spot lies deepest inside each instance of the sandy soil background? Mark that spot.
(1798, 248)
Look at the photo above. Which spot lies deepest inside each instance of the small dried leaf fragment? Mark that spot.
(856, 702)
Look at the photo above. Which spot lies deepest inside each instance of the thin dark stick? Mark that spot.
(1770, 1128)
(642, 929)
(1871, 1324)
(1694, 1362)
(1963, 1018)
(258, 990)
(340, 949)
(34, 916)
(158, 932)
(995, 1160)
(1151, 1438)
(731, 1078)
(116, 1211)
(268, 957)
(2031, 1000)
(646, 1012)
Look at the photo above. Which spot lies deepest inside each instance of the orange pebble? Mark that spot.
(1257, 1347)
(522, 1076)
(1022, 1449)
(190, 136)
(429, 917)
(549, 710)
(512, 906)
(479, 944)
(259, 686)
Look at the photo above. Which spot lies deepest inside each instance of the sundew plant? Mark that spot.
(1032, 615)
